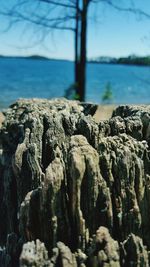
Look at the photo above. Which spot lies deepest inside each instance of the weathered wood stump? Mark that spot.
(73, 192)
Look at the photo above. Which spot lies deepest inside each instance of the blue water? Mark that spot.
(40, 78)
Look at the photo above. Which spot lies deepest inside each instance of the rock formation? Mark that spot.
(73, 192)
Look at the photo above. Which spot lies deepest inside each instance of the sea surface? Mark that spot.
(28, 78)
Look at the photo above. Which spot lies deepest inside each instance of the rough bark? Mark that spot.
(74, 192)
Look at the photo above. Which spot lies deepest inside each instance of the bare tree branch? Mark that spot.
(133, 9)
(50, 23)
(56, 3)
(18, 14)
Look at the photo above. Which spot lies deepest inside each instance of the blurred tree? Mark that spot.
(72, 15)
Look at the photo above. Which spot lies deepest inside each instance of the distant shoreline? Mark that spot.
(34, 57)
(129, 61)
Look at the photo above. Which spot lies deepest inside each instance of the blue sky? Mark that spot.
(113, 34)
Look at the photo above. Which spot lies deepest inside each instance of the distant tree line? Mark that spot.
(133, 60)
(130, 60)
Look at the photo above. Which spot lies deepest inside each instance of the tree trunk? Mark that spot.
(80, 50)
(82, 67)
(77, 44)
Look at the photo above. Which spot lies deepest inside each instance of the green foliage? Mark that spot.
(70, 92)
(107, 95)
(76, 96)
